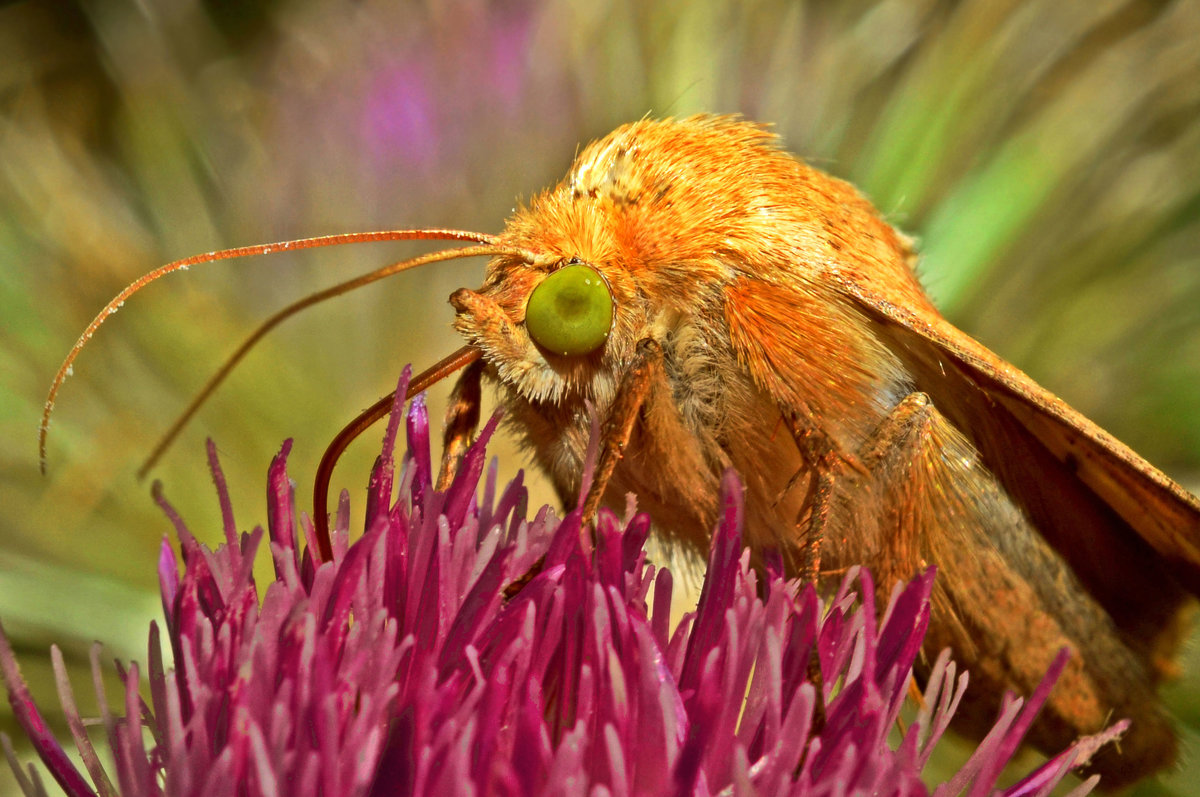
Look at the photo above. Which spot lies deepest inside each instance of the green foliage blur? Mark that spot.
(1045, 155)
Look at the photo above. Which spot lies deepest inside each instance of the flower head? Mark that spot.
(402, 666)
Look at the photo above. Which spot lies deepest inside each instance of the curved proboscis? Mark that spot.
(420, 383)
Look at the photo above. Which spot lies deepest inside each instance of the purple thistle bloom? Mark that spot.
(400, 666)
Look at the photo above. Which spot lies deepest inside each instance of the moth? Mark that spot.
(724, 305)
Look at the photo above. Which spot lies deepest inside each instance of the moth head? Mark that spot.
(639, 236)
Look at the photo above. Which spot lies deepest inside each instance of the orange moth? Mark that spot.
(722, 304)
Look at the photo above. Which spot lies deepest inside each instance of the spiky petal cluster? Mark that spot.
(401, 667)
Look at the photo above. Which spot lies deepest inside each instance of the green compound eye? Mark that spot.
(570, 312)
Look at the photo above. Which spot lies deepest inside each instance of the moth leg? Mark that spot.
(827, 467)
(1004, 600)
(618, 425)
(819, 502)
(462, 419)
(825, 464)
(614, 436)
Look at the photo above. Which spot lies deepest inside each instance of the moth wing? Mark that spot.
(1129, 532)
(1162, 513)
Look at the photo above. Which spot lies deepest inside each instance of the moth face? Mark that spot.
(620, 258)
(546, 329)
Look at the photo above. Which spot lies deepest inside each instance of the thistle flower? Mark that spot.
(401, 666)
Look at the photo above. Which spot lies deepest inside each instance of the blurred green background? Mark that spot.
(1046, 155)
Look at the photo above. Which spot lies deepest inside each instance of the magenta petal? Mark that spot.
(280, 509)
(35, 727)
(412, 664)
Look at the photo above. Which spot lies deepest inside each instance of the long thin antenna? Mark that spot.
(229, 254)
(302, 304)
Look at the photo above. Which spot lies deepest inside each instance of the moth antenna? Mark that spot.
(420, 383)
(304, 303)
(111, 308)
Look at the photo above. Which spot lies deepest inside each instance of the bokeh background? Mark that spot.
(1046, 155)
